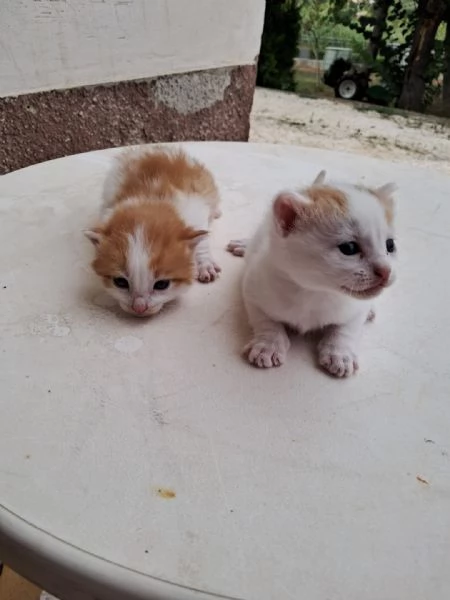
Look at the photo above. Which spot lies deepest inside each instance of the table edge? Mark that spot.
(60, 567)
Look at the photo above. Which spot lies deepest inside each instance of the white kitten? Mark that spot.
(316, 262)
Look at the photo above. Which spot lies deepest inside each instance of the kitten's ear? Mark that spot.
(95, 235)
(386, 191)
(385, 195)
(320, 179)
(195, 236)
(287, 208)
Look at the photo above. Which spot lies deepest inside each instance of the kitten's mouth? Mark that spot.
(149, 312)
(370, 292)
(144, 315)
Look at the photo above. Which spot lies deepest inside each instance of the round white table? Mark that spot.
(144, 460)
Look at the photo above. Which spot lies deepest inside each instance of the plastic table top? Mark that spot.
(144, 459)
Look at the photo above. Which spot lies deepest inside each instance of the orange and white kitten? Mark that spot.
(316, 262)
(151, 240)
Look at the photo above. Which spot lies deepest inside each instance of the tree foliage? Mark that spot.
(390, 49)
(279, 44)
(317, 23)
(392, 29)
(446, 69)
(401, 42)
(426, 55)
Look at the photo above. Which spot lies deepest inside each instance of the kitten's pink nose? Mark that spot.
(382, 272)
(139, 306)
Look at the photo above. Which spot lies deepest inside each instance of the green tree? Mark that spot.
(279, 44)
(446, 83)
(324, 19)
(380, 11)
(402, 40)
(316, 23)
(430, 14)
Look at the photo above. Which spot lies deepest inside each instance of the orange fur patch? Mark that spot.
(161, 173)
(169, 241)
(327, 203)
(327, 198)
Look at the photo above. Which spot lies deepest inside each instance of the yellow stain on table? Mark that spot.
(166, 493)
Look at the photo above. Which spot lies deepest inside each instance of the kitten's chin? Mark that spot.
(366, 294)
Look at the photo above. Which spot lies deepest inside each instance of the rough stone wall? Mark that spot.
(204, 105)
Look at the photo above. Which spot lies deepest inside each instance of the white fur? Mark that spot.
(296, 279)
(112, 183)
(193, 210)
(138, 259)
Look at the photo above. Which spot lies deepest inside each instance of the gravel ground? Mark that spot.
(281, 117)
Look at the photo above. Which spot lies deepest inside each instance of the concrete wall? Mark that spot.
(146, 70)
(54, 44)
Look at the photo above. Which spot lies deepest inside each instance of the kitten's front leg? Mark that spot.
(269, 344)
(237, 247)
(338, 349)
(207, 269)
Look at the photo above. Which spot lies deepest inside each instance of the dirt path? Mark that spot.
(280, 117)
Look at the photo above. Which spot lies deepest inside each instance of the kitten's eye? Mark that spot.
(161, 285)
(121, 282)
(349, 248)
(390, 245)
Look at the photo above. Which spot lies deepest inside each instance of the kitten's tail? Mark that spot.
(319, 180)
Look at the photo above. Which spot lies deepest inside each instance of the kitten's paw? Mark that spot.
(207, 271)
(338, 361)
(267, 353)
(237, 247)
